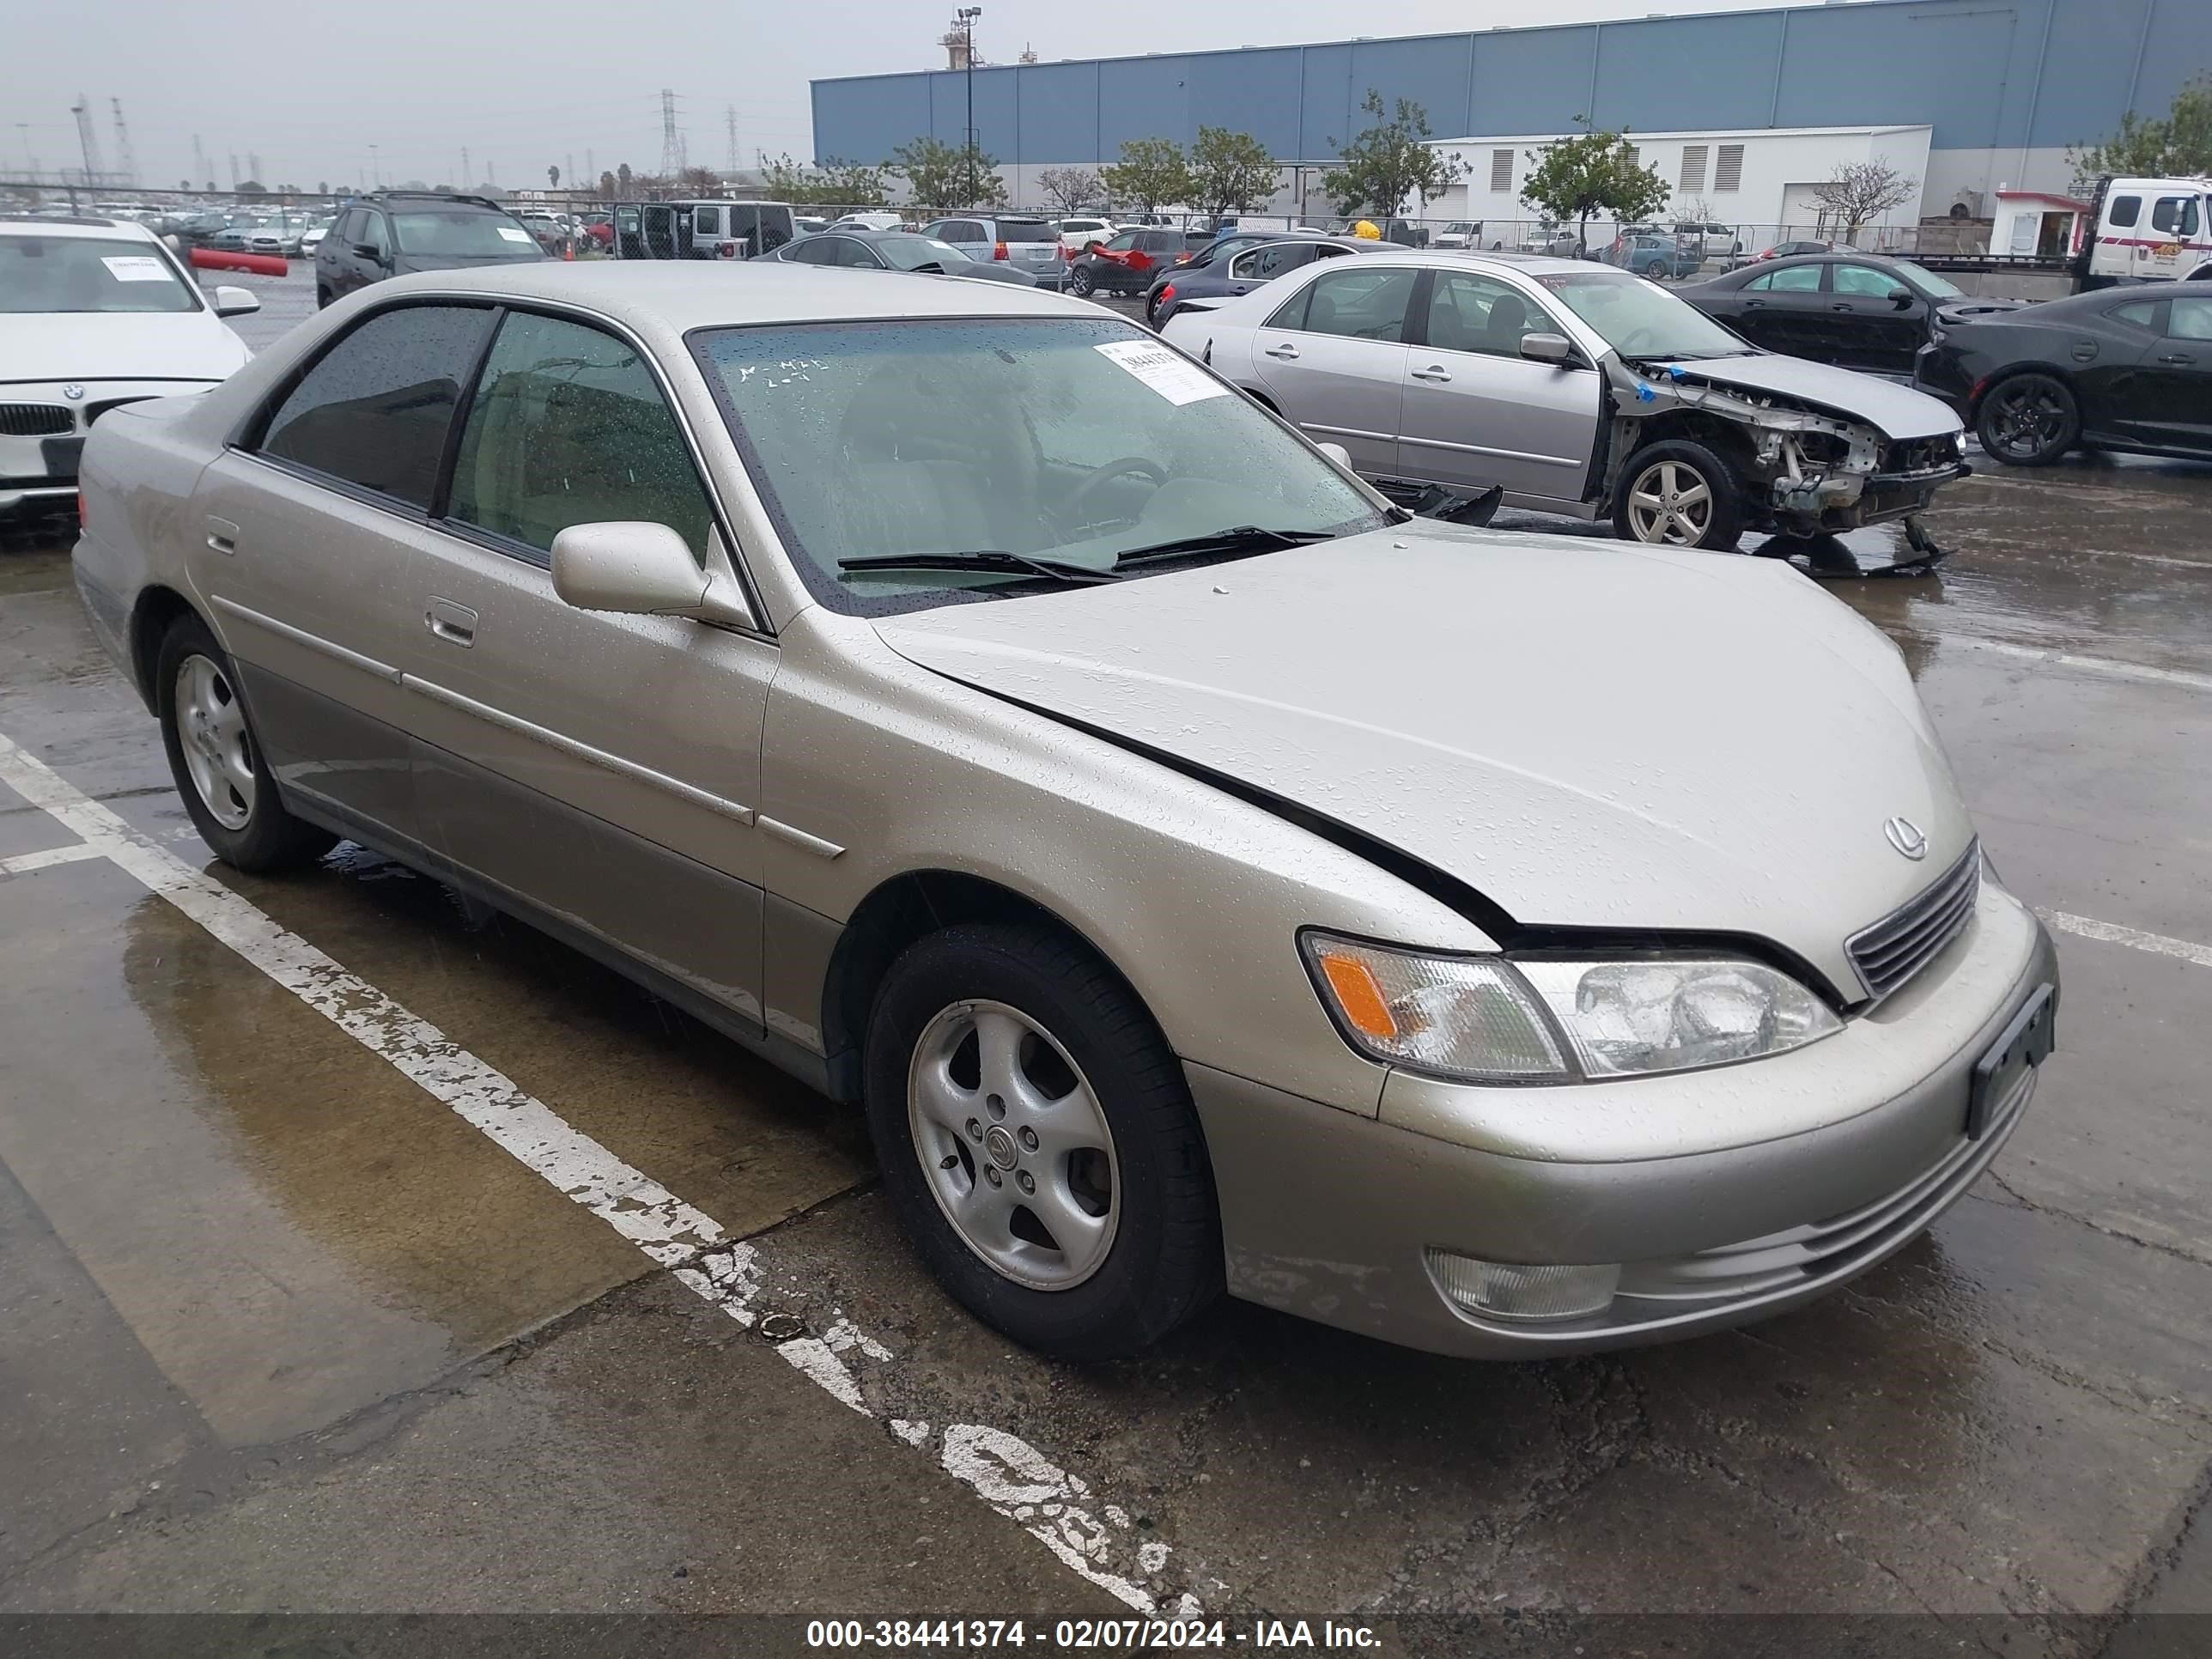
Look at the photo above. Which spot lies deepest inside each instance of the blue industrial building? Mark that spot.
(2006, 85)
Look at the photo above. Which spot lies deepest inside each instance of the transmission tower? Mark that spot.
(126, 165)
(468, 179)
(730, 117)
(254, 168)
(234, 174)
(200, 174)
(671, 146)
(86, 140)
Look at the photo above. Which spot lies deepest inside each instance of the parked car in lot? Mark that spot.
(1459, 234)
(1578, 390)
(1079, 234)
(1856, 310)
(2127, 368)
(95, 314)
(1210, 259)
(865, 221)
(1125, 264)
(1227, 276)
(396, 233)
(1591, 1021)
(1024, 243)
(1660, 257)
(894, 250)
(1787, 250)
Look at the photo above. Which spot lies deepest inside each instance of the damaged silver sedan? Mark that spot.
(1570, 388)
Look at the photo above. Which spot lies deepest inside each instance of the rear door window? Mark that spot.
(1795, 279)
(2123, 210)
(1361, 304)
(374, 411)
(706, 221)
(568, 427)
(2191, 320)
(1262, 264)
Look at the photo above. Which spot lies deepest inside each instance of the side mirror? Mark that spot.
(1900, 297)
(368, 251)
(1338, 453)
(1546, 348)
(640, 569)
(234, 301)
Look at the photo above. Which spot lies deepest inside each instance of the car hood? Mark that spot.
(172, 345)
(1591, 737)
(1898, 411)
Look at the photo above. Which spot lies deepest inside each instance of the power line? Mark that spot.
(671, 146)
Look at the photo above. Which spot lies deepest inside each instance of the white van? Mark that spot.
(2150, 230)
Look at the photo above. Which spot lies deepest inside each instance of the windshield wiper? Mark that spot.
(1237, 538)
(989, 559)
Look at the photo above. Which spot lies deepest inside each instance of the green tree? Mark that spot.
(700, 181)
(553, 178)
(607, 186)
(1593, 173)
(1069, 189)
(624, 177)
(848, 183)
(788, 180)
(2178, 146)
(937, 175)
(1150, 171)
(1389, 162)
(1230, 170)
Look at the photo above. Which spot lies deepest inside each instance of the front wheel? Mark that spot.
(2030, 420)
(1038, 1142)
(1677, 494)
(216, 761)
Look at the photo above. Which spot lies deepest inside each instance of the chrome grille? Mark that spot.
(35, 419)
(1903, 942)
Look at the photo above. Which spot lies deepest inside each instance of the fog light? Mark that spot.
(1506, 1290)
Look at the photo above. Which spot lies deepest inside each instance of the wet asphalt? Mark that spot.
(280, 1331)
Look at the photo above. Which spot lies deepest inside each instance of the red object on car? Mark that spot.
(261, 264)
(998, 250)
(1166, 294)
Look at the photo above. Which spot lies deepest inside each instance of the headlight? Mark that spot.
(1486, 1020)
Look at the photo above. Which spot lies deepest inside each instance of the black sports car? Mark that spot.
(2118, 368)
(1861, 311)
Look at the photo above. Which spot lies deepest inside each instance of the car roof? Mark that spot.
(688, 294)
(1528, 264)
(120, 230)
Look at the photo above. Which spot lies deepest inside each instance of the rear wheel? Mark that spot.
(217, 760)
(1678, 494)
(322, 296)
(2029, 420)
(1081, 283)
(1038, 1140)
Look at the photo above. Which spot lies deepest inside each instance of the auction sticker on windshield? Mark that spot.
(513, 234)
(1169, 372)
(137, 268)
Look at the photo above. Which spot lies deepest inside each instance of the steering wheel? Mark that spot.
(1128, 466)
(1628, 347)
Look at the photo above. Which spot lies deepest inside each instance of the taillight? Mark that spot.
(1066, 254)
(999, 251)
(80, 509)
(1167, 294)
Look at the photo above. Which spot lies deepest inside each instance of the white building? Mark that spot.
(1762, 180)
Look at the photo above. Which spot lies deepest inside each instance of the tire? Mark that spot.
(1088, 1063)
(322, 296)
(1713, 521)
(2029, 420)
(1152, 311)
(225, 783)
(1081, 282)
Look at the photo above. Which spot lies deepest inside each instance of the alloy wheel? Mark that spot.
(211, 734)
(1013, 1145)
(2024, 417)
(1670, 504)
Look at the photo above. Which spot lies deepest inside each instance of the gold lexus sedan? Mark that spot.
(1204, 876)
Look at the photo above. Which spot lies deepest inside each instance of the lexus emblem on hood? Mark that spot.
(1906, 836)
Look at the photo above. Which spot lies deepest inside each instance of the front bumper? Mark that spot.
(37, 469)
(1328, 1214)
(1852, 500)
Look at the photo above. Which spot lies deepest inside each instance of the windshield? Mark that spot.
(1640, 319)
(912, 252)
(463, 234)
(1074, 441)
(87, 273)
(1930, 283)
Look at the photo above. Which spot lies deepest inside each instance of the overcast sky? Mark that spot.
(310, 86)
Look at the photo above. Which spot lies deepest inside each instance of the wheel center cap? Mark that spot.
(1000, 1145)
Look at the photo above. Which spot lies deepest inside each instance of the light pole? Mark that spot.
(375, 171)
(967, 16)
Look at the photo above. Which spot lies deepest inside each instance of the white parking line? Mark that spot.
(23, 863)
(2113, 665)
(2111, 933)
(1006, 1472)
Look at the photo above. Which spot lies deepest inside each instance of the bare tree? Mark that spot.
(1071, 188)
(1858, 192)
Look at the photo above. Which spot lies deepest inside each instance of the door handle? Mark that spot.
(1433, 371)
(1286, 352)
(456, 624)
(221, 535)
(1754, 305)
(1839, 305)
(2180, 359)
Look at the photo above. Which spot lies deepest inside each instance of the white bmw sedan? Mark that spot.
(94, 314)
(1202, 874)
